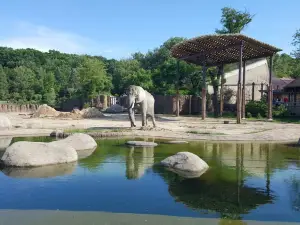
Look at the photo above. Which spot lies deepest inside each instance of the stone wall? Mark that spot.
(9, 107)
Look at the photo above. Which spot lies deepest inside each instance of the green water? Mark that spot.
(246, 181)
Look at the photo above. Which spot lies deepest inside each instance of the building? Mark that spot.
(278, 87)
(257, 73)
(292, 90)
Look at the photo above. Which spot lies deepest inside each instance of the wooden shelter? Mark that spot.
(221, 49)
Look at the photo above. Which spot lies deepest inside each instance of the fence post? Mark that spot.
(190, 105)
(261, 91)
(253, 87)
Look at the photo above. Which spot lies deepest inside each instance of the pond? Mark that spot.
(246, 181)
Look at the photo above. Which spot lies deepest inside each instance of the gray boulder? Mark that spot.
(185, 161)
(116, 108)
(5, 123)
(4, 142)
(24, 153)
(141, 143)
(78, 141)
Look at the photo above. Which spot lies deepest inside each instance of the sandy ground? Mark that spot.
(38, 217)
(167, 126)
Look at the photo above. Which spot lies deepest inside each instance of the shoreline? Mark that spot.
(168, 127)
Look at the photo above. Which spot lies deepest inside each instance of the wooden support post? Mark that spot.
(244, 92)
(190, 104)
(238, 102)
(177, 90)
(261, 91)
(270, 91)
(253, 89)
(222, 90)
(203, 92)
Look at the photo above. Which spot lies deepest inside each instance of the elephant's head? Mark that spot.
(135, 95)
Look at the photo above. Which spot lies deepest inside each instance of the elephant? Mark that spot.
(137, 95)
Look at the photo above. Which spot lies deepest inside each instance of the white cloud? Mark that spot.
(26, 35)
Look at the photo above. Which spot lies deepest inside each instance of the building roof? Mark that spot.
(219, 49)
(280, 83)
(293, 84)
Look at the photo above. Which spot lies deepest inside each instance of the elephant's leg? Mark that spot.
(131, 116)
(153, 120)
(144, 113)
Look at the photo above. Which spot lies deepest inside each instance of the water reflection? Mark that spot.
(138, 160)
(40, 172)
(245, 181)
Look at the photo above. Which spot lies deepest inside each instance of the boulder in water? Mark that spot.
(24, 153)
(4, 142)
(78, 141)
(185, 161)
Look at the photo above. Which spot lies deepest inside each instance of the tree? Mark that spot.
(129, 72)
(296, 44)
(234, 21)
(3, 85)
(93, 78)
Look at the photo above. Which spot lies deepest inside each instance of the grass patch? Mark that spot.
(204, 133)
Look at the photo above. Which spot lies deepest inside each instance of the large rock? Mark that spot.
(78, 141)
(91, 113)
(24, 153)
(40, 171)
(4, 142)
(141, 143)
(116, 108)
(5, 123)
(185, 161)
(45, 111)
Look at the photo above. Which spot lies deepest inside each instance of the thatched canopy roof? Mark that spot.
(219, 49)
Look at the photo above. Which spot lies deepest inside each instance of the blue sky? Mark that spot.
(117, 28)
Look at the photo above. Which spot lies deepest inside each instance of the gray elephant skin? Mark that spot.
(137, 95)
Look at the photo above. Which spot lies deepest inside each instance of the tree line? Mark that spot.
(28, 75)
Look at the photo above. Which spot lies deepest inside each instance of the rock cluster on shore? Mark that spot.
(25, 153)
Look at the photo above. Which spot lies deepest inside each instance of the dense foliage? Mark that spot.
(28, 75)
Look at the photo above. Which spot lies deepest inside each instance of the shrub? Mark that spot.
(280, 111)
(249, 115)
(257, 107)
(259, 116)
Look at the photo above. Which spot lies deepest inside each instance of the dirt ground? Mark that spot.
(167, 126)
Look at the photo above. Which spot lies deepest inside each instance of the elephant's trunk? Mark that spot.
(131, 101)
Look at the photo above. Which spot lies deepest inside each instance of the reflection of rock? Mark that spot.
(78, 141)
(85, 153)
(40, 172)
(188, 174)
(5, 123)
(138, 161)
(185, 161)
(24, 153)
(141, 143)
(214, 191)
(5, 142)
